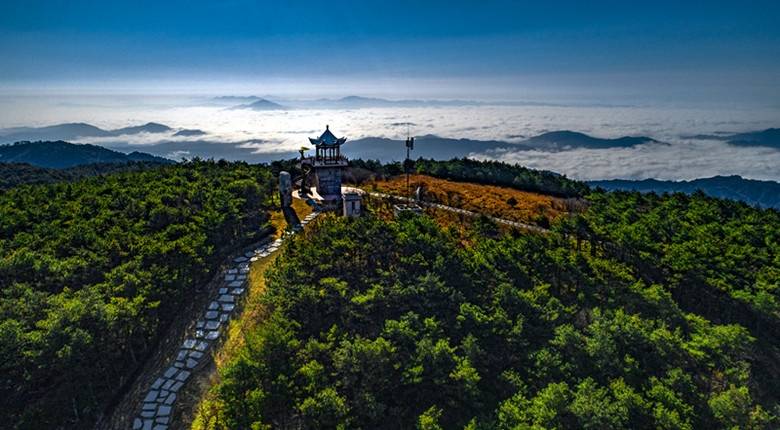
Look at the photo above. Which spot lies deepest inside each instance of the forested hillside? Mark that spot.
(60, 154)
(645, 312)
(92, 271)
(14, 174)
(481, 172)
(753, 192)
(499, 173)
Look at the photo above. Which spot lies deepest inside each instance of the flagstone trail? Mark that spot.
(160, 399)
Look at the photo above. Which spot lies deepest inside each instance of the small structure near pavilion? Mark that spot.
(351, 203)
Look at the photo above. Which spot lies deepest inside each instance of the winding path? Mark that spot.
(160, 399)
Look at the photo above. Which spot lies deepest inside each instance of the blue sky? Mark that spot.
(599, 51)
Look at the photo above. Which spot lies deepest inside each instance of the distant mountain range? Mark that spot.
(442, 148)
(565, 139)
(233, 100)
(769, 138)
(190, 133)
(261, 105)
(356, 102)
(428, 146)
(360, 102)
(244, 150)
(149, 127)
(763, 193)
(59, 154)
(75, 131)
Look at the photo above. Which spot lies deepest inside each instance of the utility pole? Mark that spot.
(409, 147)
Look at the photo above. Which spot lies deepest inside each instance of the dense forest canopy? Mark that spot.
(92, 271)
(500, 173)
(60, 154)
(15, 174)
(644, 312)
(482, 172)
(637, 311)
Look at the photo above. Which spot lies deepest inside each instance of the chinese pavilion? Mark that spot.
(327, 165)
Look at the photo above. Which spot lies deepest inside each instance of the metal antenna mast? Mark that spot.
(409, 147)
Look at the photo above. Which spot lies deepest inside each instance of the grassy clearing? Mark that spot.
(301, 208)
(277, 218)
(500, 202)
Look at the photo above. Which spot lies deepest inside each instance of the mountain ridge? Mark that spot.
(60, 154)
(769, 138)
(563, 139)
(74, 131)
(261, 105)
(756, 192)
(433, 146)
(357, 102)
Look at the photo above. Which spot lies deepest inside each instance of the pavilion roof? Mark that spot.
(327, 138)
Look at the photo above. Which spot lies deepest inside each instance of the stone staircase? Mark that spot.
(160, 398)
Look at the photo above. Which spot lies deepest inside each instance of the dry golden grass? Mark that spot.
(247, 321)
(253, 312)
(277, 218)
(301, 208)
(496, 201)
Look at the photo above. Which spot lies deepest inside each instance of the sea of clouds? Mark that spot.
(285, 131)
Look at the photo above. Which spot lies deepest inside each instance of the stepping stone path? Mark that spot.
(159, 400)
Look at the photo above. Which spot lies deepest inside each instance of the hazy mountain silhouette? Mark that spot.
(74, 131)
(442, 148)
(53, 132)
(261, 105)
(360, 102)
(150, 127)
(235, 99)
(231, 151)
(351, 102)
(428, 146)
(565, 139)
(769, 138)
(190, 132)
(59, 154)
(754, 192)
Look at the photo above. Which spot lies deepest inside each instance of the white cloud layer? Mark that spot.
(281, 131)
(680, 160)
